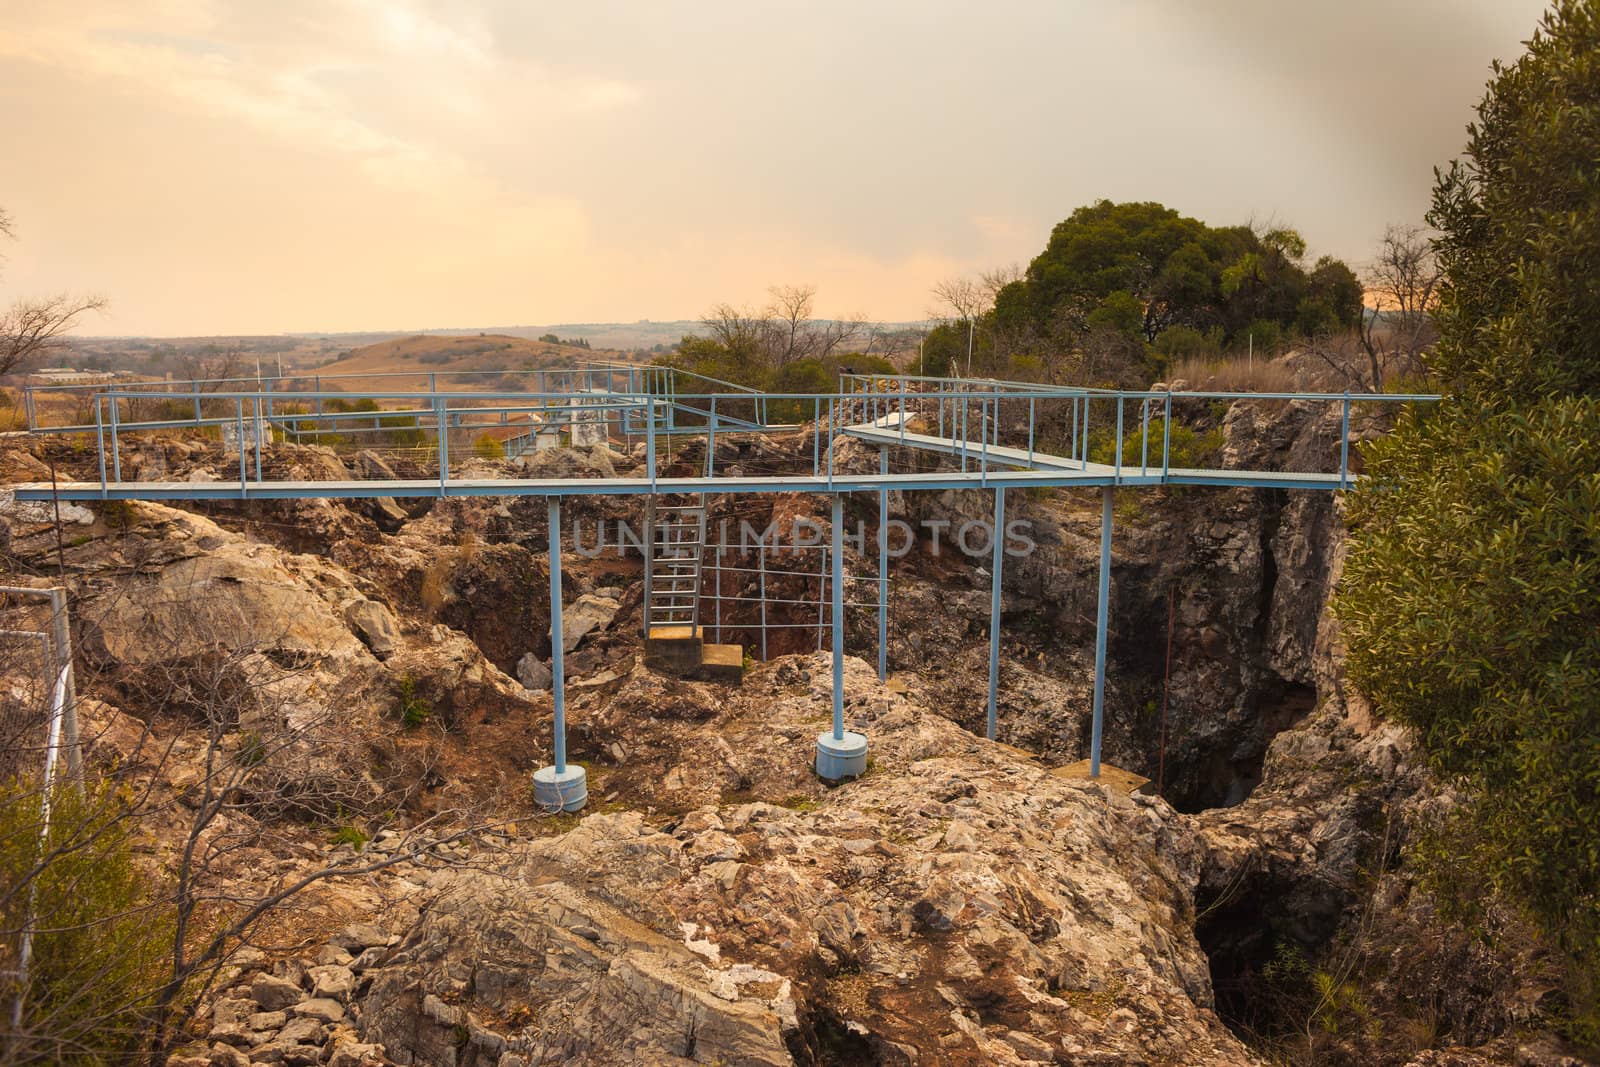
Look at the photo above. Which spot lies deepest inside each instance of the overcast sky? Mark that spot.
(257, 166)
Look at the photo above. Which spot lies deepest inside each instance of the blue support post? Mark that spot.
(1102, 605)
(239, 429)
(830, 441)
(963, 433)
(650, 442)
(999, 549)
(840, 754)
(444, 444)
(1166, 438)
(761, 564)
(1344, 445)
(1144, 435)
(1119, 437)
(255, 432)
(816, 435)
(559, 787)
(883, 568)
(116, 454)
(711, 439)
(1073, 447)
(100, 444)
(1085, 431)
(983, 434)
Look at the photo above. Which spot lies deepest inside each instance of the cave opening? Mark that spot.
(1225, 776)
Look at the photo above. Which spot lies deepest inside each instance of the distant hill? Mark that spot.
(439, 353)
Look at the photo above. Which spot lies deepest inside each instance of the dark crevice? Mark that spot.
(1226, 778)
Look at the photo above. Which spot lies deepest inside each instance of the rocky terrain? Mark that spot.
(716, 903)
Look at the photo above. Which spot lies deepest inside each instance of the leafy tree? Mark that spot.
(1471, 597)
(1143, 269)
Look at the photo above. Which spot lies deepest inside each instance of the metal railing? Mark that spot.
(1073, 434)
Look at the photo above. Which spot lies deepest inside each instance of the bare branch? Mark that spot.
(31, 329)
(962, 297)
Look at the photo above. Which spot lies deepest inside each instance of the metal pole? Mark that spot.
(711, 439)
(883, 567)
(816, 434)
(716, 563)
(649, 554)
(239, 430)
(61, 632)
(761, 564)
(1085, 431)
(1144, 436)
(830, 441)
(838, 617)
(1119, 436)
(100, 444)
(256, 429)
(116, 455)
(444, 443)
(1344, 445)
(963, 431)
(1072, 449)
(650, 441)
(558, 673)
(1101, 605)
(999, 549)
(1166, 439)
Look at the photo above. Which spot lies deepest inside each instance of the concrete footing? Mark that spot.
(841, 758)
(564, 791)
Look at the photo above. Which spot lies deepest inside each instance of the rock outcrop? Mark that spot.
(957, 905)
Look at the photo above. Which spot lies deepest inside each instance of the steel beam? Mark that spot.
(883, 568)
(559, 787)
(1102, 605)
(992, 722)
(841, 753)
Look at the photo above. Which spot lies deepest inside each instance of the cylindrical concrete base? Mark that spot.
(841, 758)
(567, 791)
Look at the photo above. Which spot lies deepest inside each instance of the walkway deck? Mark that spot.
(883, 432)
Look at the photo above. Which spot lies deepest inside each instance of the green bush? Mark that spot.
(486, 447)
(1187, 447)
(412, 708)
(102, 936)
(1471, 594)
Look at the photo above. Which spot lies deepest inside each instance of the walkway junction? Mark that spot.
(975, 434)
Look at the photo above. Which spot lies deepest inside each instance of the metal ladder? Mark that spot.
(677, 534)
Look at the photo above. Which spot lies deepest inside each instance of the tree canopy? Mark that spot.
(1143, 268)
(1471, 595)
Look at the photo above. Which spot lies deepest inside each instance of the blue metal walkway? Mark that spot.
(999, 435)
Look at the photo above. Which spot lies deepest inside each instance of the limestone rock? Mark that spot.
(589, 613)
(567, 463)
(533, 673)
(375, 625)
(274, 994)
(1066, 903)
(302, 1030)
(333, 982)
(356, 1054)
(319, 1008)
(359, 936)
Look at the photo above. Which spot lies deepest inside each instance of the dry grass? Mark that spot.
(1228, 375)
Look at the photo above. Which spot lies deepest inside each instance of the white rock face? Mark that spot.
(956, 905)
